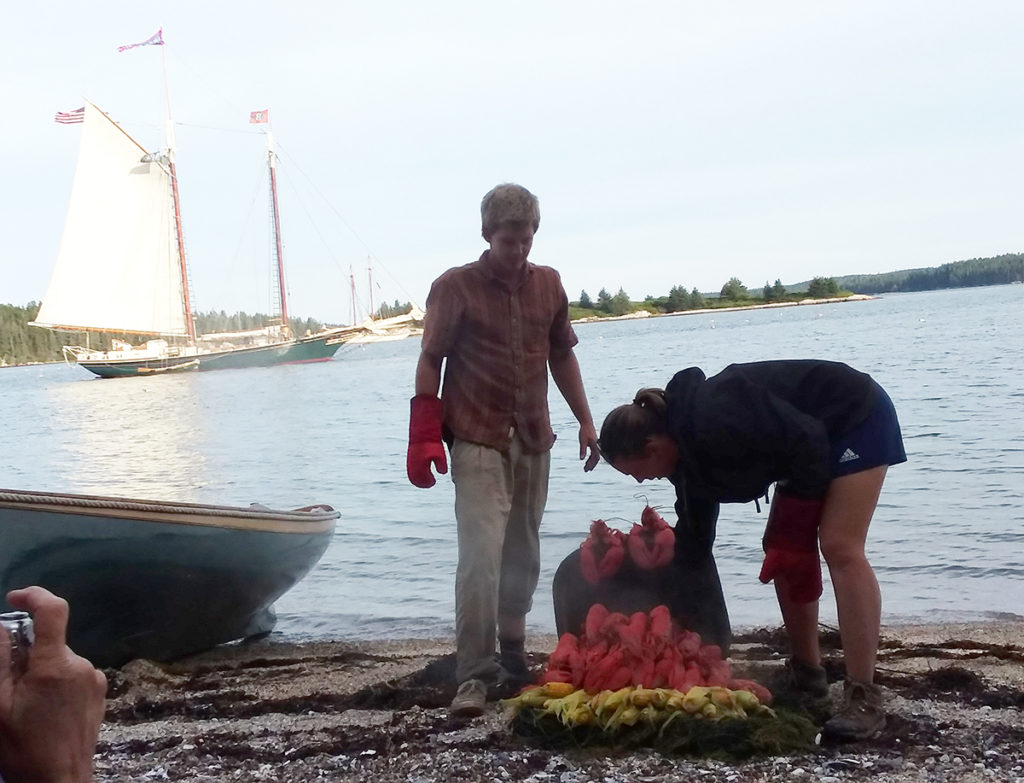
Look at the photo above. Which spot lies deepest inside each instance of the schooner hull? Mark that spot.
(307, 349)
(127, 368)
(148, 579)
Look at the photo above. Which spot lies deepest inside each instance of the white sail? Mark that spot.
(117, 268)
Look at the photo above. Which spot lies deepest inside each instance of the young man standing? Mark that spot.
(500, 322)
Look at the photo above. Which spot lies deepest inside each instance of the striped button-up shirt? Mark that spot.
(497, 340)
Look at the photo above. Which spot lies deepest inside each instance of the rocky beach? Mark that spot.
(339, 711)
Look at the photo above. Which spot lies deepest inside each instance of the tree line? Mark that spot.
(732, 294)
(998, 270)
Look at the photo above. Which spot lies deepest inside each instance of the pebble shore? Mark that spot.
(340, 711)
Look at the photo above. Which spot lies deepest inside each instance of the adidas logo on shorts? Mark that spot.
(849, 456)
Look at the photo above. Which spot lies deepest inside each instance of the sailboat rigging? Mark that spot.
(373, 330)
(122, 268)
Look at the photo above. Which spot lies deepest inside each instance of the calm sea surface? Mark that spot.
(947, 540)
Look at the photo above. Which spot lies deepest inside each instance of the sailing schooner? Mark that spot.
(121, 267)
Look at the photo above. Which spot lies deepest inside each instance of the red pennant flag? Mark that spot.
(157, 39)
(257, 117)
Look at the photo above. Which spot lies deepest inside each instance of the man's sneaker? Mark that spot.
(861, 717)
(469, 700)
(803, 686)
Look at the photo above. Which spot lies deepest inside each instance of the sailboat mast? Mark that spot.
(186, 301)
(182, 265)
(272, 164)
(352, 288)
(369, 276)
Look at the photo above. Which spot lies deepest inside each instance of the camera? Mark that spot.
(22, 634)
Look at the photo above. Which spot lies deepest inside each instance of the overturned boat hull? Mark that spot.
(149, 579)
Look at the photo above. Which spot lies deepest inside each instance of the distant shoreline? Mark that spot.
(32, 364)
(639, 314)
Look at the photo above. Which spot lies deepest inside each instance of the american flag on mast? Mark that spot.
(157, 39)
(258, 117)
(70, 117)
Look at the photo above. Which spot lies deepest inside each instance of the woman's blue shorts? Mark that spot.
(875, 441)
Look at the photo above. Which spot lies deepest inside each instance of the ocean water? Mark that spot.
(947, 540)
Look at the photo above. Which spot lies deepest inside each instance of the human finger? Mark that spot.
(49, 614)
(101, 680)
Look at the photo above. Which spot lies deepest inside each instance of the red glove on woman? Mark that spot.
(425, 446)
(791, 545)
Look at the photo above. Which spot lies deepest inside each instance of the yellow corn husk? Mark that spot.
(559, 707)
(675, 700)
(641, 697)
(615, 699)
(725, 700)
(661, 696)
(582, 715)
(537, 695)
(532, 697)
(626, 714)
(567, 705)
(747, 700)
(721, 696)
(557, 690)
(650, 714)
(696, 698)
(630, 715)
(598, 699)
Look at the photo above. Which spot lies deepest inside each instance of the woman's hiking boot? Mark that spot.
(861, 715)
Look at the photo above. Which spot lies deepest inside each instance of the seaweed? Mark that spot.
(729, 739)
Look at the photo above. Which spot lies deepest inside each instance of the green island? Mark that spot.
(998, 270)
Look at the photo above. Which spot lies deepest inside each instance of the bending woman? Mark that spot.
(825, 434)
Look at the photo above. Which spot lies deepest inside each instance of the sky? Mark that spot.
(670, 142)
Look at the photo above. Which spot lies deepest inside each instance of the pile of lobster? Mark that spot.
(649, 544)
(642, 650)
(626, 671)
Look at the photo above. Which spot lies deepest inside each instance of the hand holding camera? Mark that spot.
(51, 700)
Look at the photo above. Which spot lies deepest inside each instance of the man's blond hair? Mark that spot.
(508, 203)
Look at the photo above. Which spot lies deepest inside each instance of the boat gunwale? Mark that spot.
(309, 520)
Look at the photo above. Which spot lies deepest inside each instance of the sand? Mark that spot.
(342, 711)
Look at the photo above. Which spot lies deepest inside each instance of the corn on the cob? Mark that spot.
(632, 705)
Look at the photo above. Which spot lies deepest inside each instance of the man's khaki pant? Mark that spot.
(499, 501)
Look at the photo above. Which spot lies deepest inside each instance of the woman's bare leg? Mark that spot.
(849, 506)
(801, 621)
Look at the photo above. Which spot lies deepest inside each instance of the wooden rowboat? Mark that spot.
(157, 580)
